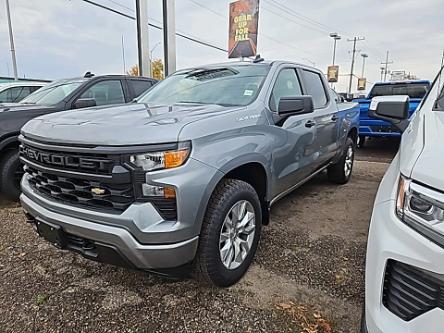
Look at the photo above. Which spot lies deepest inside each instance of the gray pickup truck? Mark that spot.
(183, 179)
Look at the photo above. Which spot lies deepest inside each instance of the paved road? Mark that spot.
(309, 271)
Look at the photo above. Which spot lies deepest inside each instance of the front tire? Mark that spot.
(11, 172)
(230, 233)
(341, 171)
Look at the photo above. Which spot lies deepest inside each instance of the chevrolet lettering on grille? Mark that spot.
(60, 160)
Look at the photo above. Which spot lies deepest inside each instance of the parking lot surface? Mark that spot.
(307, 277)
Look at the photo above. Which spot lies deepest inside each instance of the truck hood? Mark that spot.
(429, 167)
(128, 124)
(16, 107)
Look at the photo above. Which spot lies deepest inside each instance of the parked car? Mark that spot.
(369, 127)
(67, 94)
(185, 177)
(405, 253)
(14, 92)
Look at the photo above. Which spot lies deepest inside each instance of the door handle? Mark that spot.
(334, 117)
(310, 124)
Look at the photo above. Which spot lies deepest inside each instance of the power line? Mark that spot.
(300, 16)
(188, 37)
(121, 5)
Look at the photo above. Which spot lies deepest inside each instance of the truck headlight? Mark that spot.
(162, 159)
(422, 208)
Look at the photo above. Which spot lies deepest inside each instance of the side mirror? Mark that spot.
(85, 103)
(290, 106)
(394, 109)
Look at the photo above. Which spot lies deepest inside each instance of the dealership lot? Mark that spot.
(308, 271)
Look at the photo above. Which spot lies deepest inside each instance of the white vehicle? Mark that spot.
(405, 253)
(14, 92)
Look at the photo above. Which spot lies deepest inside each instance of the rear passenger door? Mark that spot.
(293, 156)
(138, 87)
(326, 116)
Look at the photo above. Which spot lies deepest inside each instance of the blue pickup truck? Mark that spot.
(369, 127)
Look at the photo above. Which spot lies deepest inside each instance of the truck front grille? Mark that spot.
(80, 191)
(410, 292)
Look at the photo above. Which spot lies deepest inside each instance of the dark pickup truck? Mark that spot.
(62, 95)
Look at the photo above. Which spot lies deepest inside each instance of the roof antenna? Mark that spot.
(88, 75)
(258, 59)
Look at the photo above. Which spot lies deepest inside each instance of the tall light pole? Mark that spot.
(335, 37)
(142, 37)
(364, 56)
(11, 41)
(169, 35)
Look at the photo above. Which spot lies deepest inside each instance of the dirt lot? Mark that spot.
(307, 277)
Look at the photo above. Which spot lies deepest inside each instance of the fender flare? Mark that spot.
(223, 171)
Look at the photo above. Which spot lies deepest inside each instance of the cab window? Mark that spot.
(314, 87)
(287, 85)
(105, 92)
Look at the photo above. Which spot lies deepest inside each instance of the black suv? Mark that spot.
(62, 95)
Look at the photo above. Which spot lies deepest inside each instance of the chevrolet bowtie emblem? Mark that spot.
(97, 191)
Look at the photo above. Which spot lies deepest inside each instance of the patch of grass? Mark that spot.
(41, 299)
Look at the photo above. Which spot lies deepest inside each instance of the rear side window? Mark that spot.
(413, 90)
(314, 87)
(287, 85)
(15, 94)
(106, 92)
(140, 86)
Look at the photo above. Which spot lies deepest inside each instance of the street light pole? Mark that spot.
(364, 56)
(142, 37)
(11, 40)
(169, 35)
(335, 37)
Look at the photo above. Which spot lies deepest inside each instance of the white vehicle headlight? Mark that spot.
(422, 208)
(162, 159)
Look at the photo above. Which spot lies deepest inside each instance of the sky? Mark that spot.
(65, 38)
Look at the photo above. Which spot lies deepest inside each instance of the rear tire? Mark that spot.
(230, 233)
(11, 172)
(341, 171)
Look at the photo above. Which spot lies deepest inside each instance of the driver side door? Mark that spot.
(293, 154)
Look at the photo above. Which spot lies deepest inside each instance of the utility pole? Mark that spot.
(143, 38)
(386, 63)
(354, 40)
(364, 56)
(11, 41)
(169, 36)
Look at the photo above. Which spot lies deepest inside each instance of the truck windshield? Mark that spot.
(234, 85)
(52, 93)
(413, 90)
(439, 105)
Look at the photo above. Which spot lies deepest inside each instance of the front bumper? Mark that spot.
(391, 240)
(115, 241)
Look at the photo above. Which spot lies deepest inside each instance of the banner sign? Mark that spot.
(362, 82)
(333, 73)
(242, 38)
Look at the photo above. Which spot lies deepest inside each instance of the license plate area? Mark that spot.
(52, 233)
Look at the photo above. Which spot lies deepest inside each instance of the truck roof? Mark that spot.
(402, 82)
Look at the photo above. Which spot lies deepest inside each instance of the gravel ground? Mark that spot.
(307, 277)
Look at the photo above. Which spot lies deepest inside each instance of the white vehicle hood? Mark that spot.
(429, 167)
